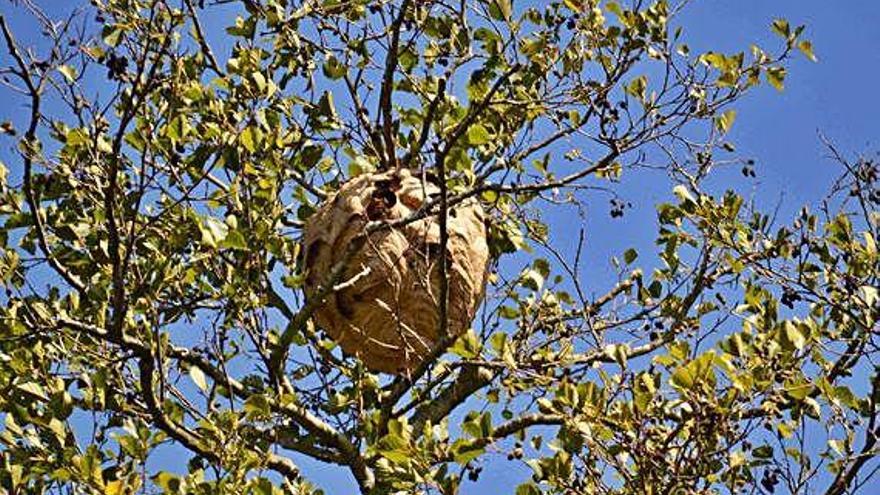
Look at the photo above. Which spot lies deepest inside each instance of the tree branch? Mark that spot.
(30, 139)
(426, 124)
(388, 87)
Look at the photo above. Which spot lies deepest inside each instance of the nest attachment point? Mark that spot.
(386, 308)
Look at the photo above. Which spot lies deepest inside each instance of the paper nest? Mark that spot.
(387, 310)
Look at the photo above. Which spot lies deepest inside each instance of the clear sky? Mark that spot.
(837, 96)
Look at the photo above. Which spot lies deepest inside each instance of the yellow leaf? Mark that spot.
(198, 377)
(682, 193)
(68, 72)
(725, 121)
(114, 488)
(807, 49)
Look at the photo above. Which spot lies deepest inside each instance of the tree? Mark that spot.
(153, 277)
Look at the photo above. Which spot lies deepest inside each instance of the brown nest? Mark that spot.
(386, 308)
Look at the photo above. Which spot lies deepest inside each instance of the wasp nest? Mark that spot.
(385, 309)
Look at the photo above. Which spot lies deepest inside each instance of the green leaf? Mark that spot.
(528, 489)
(508, 312)
(33, 388)
(111, 34)
(763, 452)
(781, 27)
(467, 346)
(845, 396)
(257, 406)
(870, 294)
(262, 486)
(464, 451)
(618, 352)
(776, 77)
(478, 425)
(611, 172)
(813, 409)
(614, 8)
(260, 80)
(326, 105)
(500, 10)
(799, 391)
(786, 429)
(249, 138)
(359, 165)
(478, 134)
(638, 87)
(77, 137)
(234, 240)
(171, 483)
(870, 243)
(793, 335)
(630, 255)
(136, 141)
(177, 128)
(213, 231)
(697, 373)
(682, 378)
(333, 68)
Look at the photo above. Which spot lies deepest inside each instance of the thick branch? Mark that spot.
(515, 426)
(471, 379)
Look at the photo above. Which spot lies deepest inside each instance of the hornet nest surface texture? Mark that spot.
(386, 308)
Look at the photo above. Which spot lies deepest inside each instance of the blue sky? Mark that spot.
(837, 96)
(780, 131)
